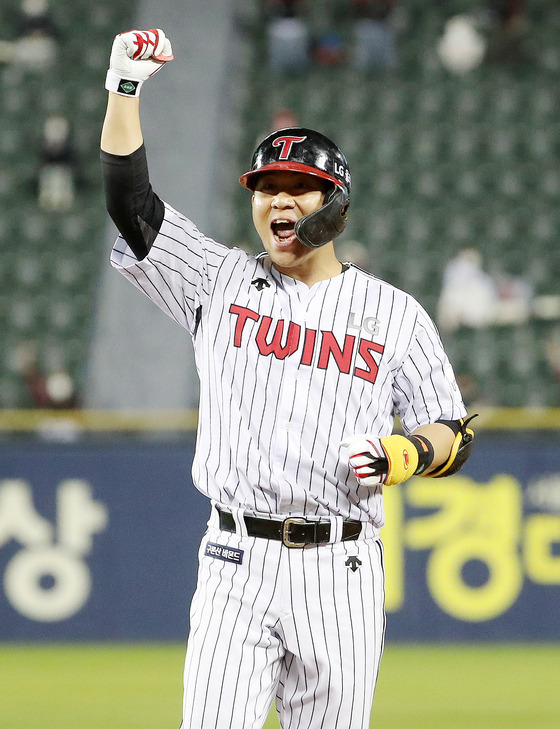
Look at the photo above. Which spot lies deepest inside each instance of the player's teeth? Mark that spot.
(283, 229)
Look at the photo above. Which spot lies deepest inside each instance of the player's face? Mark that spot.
(279, 200)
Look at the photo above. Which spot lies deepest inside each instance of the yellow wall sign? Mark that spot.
(459, 521)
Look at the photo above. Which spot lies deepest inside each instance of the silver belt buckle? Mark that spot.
(286, 531)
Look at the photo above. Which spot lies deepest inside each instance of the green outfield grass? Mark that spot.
(113, 686)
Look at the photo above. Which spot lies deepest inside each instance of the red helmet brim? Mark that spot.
(249, 179)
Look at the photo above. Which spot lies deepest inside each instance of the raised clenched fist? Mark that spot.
(135, 56)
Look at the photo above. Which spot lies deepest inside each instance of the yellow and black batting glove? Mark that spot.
(389, 460)
(394, 458)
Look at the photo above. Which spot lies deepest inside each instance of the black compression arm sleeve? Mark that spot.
(132, 204)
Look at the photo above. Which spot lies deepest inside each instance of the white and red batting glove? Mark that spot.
(135, 56)
(389, 460)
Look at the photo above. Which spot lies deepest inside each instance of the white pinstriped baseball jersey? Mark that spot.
(287, 372)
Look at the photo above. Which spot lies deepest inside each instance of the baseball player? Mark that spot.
(303, 362)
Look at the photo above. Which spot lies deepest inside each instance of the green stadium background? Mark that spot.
(440, 161)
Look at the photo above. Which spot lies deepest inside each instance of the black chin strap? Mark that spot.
(322, 226)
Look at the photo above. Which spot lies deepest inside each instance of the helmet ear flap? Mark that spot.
(319, 228)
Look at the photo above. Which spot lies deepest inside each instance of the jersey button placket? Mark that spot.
(289, 410)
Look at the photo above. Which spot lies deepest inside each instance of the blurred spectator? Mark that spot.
(515, 299)
(472, 297)
(54, 390)
(352, 251)
(372, 9)
(288, 37)
(282, 119)
(462, 47)
(374, 34)
(288, 42)
(469, 295)
(328, 48)
(37, 44)
(283, 8)
(59, 169)
(506, 29)
(35, 16)
(509, 14)
(494, 31)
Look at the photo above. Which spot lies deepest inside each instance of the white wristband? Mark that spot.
(122, 86)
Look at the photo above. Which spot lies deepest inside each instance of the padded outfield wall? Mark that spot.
(99, 534)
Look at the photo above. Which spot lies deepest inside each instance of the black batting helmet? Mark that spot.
(297, 149)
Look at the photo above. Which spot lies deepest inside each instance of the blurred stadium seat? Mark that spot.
(50, 261)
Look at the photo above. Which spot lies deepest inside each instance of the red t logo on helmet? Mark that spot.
(286, 144)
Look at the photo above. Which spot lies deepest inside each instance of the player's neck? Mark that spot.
(311, 274)
(309, 267)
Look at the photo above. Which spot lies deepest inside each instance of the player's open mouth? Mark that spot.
(283, 231)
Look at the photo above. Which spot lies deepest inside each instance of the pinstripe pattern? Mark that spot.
(286, 373)
(307, 371)
(298, 624)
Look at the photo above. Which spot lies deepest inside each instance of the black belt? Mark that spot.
(295, 531)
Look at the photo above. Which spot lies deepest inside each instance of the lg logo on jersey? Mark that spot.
(370, 325)
(354, 355)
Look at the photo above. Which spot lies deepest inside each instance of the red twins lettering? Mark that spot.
(242, 314)
(365, 350)
(322, 344)
(275, 347)
(286, 144)
(342, 357)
